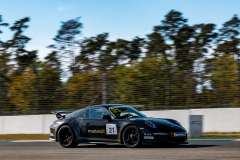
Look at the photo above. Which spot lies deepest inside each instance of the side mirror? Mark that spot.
(107, 117)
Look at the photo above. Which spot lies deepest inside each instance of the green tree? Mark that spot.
(2, 24)
(186, 44)
(223, 77)
(53, 61)
(142, 82)
(106, 55)
(50, 85)
(18, 42)
(169, 29)
(96, 47)
(4, 69)
(228, 43)
(79, 90)
(68, 42)
(122, 52)
(21, 90)
(23, 58)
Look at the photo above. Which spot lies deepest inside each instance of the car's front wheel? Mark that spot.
(66, 137)
(132, 136)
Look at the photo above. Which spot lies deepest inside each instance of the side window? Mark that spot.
(83, 114)
(98, 112)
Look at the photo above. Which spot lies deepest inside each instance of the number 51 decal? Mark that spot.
(111, 129)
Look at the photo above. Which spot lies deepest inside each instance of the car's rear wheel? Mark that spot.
(66, 137)
(132, 136)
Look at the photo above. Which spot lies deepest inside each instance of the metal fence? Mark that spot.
(177, 66)
(144, 84)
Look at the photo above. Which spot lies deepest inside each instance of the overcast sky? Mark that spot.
(121, 18)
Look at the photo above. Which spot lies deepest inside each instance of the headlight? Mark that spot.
(150, 124)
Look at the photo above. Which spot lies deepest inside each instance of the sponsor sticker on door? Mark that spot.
(111, 129)
(96, 131)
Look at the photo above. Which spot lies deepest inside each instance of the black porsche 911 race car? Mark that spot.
(115, 123)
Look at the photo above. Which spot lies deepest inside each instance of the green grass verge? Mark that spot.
(218, 135)
(24, 136)
(215, 135)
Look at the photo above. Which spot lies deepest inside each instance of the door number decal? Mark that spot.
(111, 129)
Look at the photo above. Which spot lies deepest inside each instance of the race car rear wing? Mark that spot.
(61, 114)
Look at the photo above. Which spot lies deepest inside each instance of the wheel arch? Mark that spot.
(121, 138)
(74, 132)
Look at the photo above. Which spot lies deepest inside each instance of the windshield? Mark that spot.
(125, 112)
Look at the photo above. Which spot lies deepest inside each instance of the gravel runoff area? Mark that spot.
(52, 150)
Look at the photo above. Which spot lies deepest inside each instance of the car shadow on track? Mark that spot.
(123, 146)
(100, 146)
(188, 146)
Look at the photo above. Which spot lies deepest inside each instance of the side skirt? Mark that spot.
(87, 140)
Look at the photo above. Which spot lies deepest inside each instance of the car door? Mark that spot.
(80, 126)
(101, 129)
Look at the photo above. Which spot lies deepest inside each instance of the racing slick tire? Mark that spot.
(132, 137)
(66, 137)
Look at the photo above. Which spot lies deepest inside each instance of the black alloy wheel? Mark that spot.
(132, 137)
(66, 137)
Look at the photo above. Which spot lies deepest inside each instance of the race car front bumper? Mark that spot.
(52, 135)
(167, 138)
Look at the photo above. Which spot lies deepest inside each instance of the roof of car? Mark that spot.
(107, 105)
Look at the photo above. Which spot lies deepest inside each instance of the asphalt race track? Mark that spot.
(52, 150)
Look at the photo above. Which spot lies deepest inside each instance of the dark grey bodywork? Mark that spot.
(93, 130)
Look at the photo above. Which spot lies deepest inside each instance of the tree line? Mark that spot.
(176, 65)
